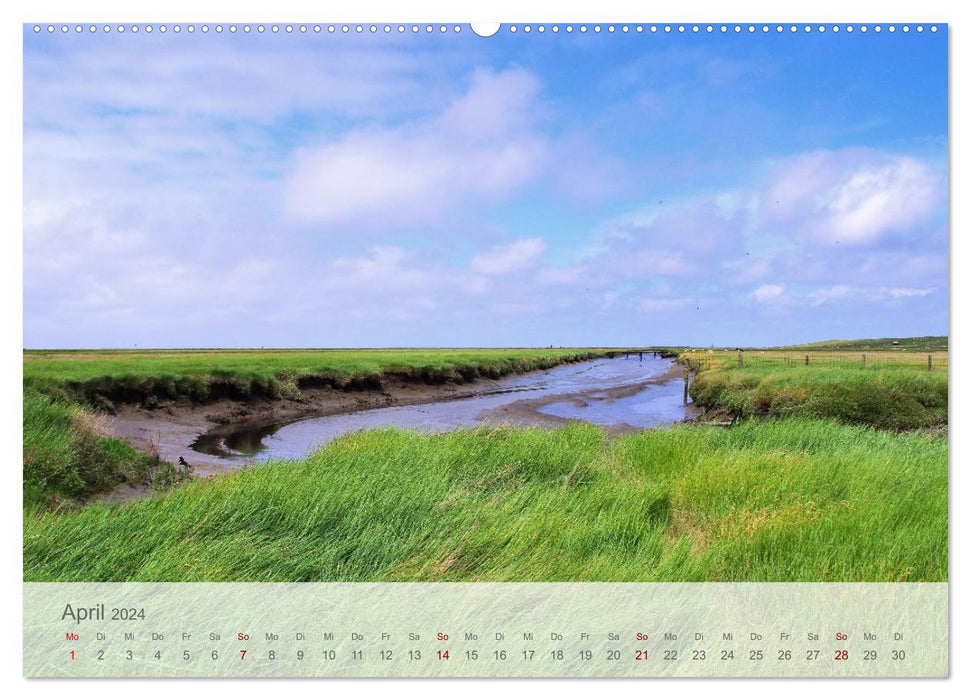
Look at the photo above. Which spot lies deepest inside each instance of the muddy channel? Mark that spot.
(622, 394)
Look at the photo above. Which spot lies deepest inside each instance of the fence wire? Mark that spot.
(934, 362)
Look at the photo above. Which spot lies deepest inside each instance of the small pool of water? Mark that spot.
(246, 440)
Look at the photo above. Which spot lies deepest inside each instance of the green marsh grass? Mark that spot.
(67, 459)
(786, 500)
(888, 396)
(925, 343)
(101, 377)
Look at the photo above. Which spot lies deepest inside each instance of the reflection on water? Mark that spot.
(654, 405)
(241, 440)
(659, 404)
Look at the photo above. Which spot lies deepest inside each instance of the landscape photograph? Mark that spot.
(566, 303)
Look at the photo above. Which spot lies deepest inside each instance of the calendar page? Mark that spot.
(538, 349)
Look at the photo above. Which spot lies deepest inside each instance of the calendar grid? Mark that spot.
(485, 629)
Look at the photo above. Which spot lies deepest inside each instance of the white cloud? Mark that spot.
(853, 197)
(699, 225)
(903, 292)
(653, 262)
(495, 106)
(751, 271)
(661, 306)
(562, 275)
(480, 149)
(513, 257)
(832, 293)
(212, 76)
(837, 292)
(380, 268)
(768, 293)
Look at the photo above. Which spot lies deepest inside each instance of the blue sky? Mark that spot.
(452, 190)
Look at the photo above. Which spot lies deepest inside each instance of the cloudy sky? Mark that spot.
(441, 189)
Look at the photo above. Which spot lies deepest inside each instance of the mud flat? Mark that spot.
(611, 406)
(173, 427)
(622, 394)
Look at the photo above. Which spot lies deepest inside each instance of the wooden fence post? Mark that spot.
(739, 358)
(685, 399)
(864, 360)
(928, 363)
(807, 360)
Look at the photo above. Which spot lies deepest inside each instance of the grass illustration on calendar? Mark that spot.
(616, 303)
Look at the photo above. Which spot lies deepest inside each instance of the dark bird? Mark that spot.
(183, 463)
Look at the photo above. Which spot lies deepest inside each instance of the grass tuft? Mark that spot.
(67, 458)
(893, 398)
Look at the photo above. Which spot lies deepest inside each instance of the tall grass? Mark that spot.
(67, 459)
(788, 500)
(889, 397)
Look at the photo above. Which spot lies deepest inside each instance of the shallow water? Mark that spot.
(656, 405)
(653, 405)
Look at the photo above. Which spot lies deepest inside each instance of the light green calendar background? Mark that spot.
(493, 629)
